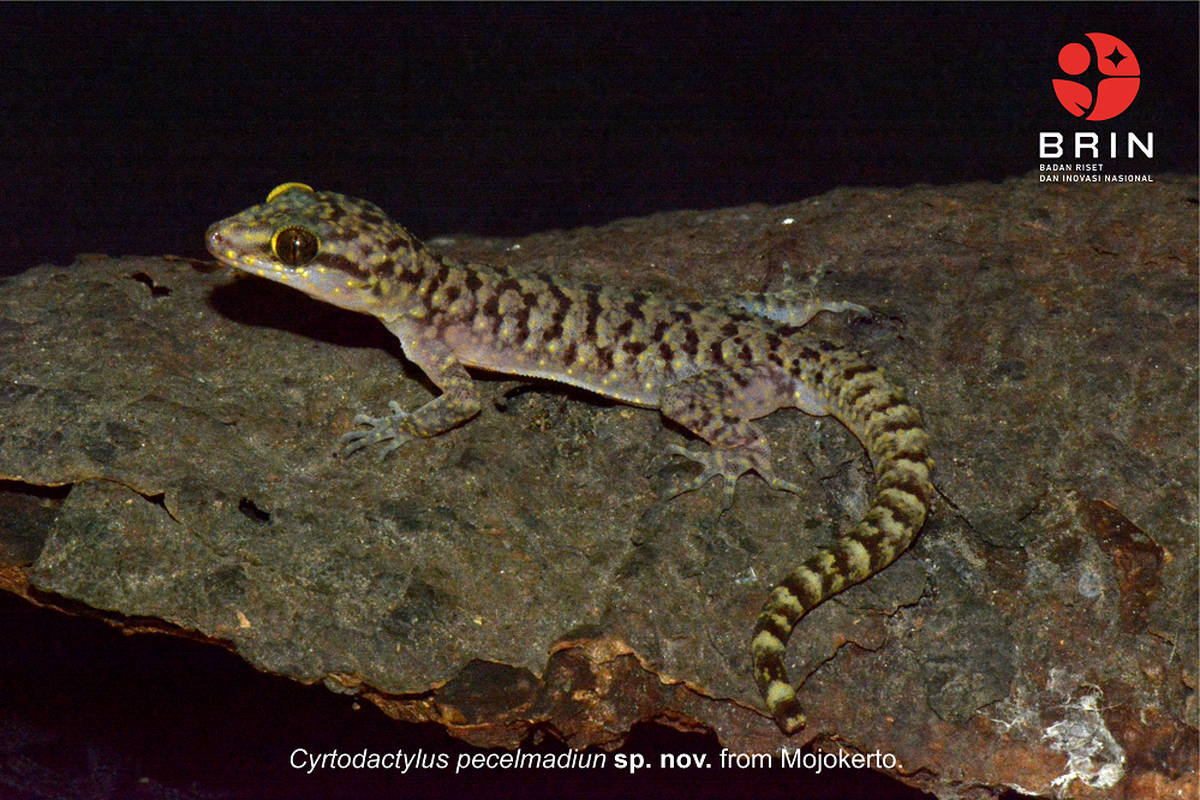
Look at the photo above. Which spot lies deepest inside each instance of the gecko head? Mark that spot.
(332, 247)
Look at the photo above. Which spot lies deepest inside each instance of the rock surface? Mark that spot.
(167, 454)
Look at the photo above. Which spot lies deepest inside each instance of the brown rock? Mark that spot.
(167, 454)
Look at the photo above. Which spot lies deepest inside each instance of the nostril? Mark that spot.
(212, 238)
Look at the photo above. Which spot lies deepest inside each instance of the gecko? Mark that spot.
(711, 368)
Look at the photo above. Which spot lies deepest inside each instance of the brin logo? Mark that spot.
(1118, 85)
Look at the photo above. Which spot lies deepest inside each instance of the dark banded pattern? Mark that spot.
(876, 412)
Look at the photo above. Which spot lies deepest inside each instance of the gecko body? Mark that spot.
(711, 368)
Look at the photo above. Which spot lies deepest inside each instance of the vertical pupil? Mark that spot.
(291, 245)
(295, 246)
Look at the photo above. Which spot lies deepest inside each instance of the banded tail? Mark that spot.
(876, 412)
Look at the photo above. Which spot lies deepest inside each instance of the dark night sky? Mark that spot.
(127, 129)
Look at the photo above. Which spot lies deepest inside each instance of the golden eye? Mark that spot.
(287, 187)
(295, 246)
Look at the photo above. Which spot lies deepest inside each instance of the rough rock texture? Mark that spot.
(167, 455)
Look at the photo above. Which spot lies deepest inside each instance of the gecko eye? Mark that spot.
(295, 246)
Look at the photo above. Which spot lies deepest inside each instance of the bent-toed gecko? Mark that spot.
(711, 368)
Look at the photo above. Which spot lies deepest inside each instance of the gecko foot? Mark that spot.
(395, 427)
(730, 465)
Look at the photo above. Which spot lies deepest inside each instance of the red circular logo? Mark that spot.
(1118, 84)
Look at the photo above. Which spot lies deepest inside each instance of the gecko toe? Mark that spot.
(729, 465)
(393, 429)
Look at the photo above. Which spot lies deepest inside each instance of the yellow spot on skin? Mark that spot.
(765, 642)
(791, 724)
(779, 693)
(784, 600)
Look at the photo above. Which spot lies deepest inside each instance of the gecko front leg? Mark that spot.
(458, 403)
(790, 307)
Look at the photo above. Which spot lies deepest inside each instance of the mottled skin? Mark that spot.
(710, 368)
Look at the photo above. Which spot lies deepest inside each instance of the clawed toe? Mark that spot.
(391, 427)
(710, 470)
(782, 485)
(352, 442)
(729, 465)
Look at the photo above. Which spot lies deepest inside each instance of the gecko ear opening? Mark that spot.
(295, 246)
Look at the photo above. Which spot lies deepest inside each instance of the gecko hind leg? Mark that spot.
(730, 465)
(717, 406)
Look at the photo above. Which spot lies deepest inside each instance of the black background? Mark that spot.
(127, 129)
